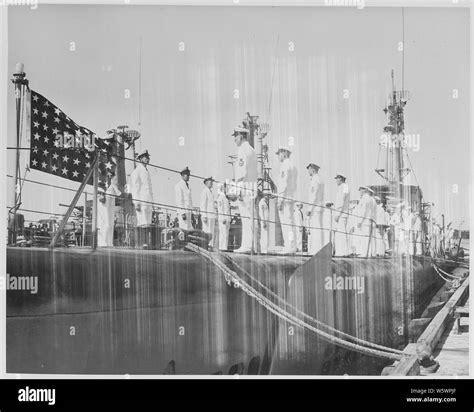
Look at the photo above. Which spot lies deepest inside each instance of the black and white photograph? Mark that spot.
(236, 189)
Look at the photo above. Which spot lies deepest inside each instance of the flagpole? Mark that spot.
(19, 80)
(94, 202)
(78, 194)
(84, 220)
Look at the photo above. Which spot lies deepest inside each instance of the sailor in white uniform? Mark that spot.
(208, 211)
(366, 213)
(223, 210)
(184, 201)
(246, 180)
(315, 210)
(286, 194)
(141, 189)
(106, 214)
(299, 223)
(341, 236)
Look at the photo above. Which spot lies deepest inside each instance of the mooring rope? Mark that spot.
(233, 279)
(305, 315)
(447, 274)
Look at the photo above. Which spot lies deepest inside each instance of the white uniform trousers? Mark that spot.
(245, 207)
(208, 227)
(287, 220)
(362, 240)
(299, 238)
(380, 240)
(224, 234)
(341, 237)
(144, 215)
(105, 225)
(316, 237)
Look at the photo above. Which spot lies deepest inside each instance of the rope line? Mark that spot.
(305, 315)
(232, 278)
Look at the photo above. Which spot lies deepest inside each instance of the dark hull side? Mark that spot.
(119, 311)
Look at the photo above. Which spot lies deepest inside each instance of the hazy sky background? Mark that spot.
(190, 93)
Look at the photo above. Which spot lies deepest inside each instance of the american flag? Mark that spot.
(49, 154)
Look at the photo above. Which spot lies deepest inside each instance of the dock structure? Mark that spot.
(452, 351)
(442, 340)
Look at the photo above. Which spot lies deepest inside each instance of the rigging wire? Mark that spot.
(403, 49)
(140, 86)
(249, 189)
(273, 78)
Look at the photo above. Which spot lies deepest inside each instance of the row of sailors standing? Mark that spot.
(352, 228)
(184, 204)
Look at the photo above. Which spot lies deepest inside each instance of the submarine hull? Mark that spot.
(122, 311)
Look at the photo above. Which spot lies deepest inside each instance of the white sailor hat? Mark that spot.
(365, 188)
(282, 149)
(377, 198)
(207, 179)
(143, 154)
(339, 175)
(240, 130)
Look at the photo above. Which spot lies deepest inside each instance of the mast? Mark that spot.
(395, 171)
(20, 82)
(124, 136)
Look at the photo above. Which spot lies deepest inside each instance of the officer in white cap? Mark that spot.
(315, 210)
(341, 206)
(208, 212)
(223, 210)
(286, 195)
(246, 180)
(184, 201)
(141, 189)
